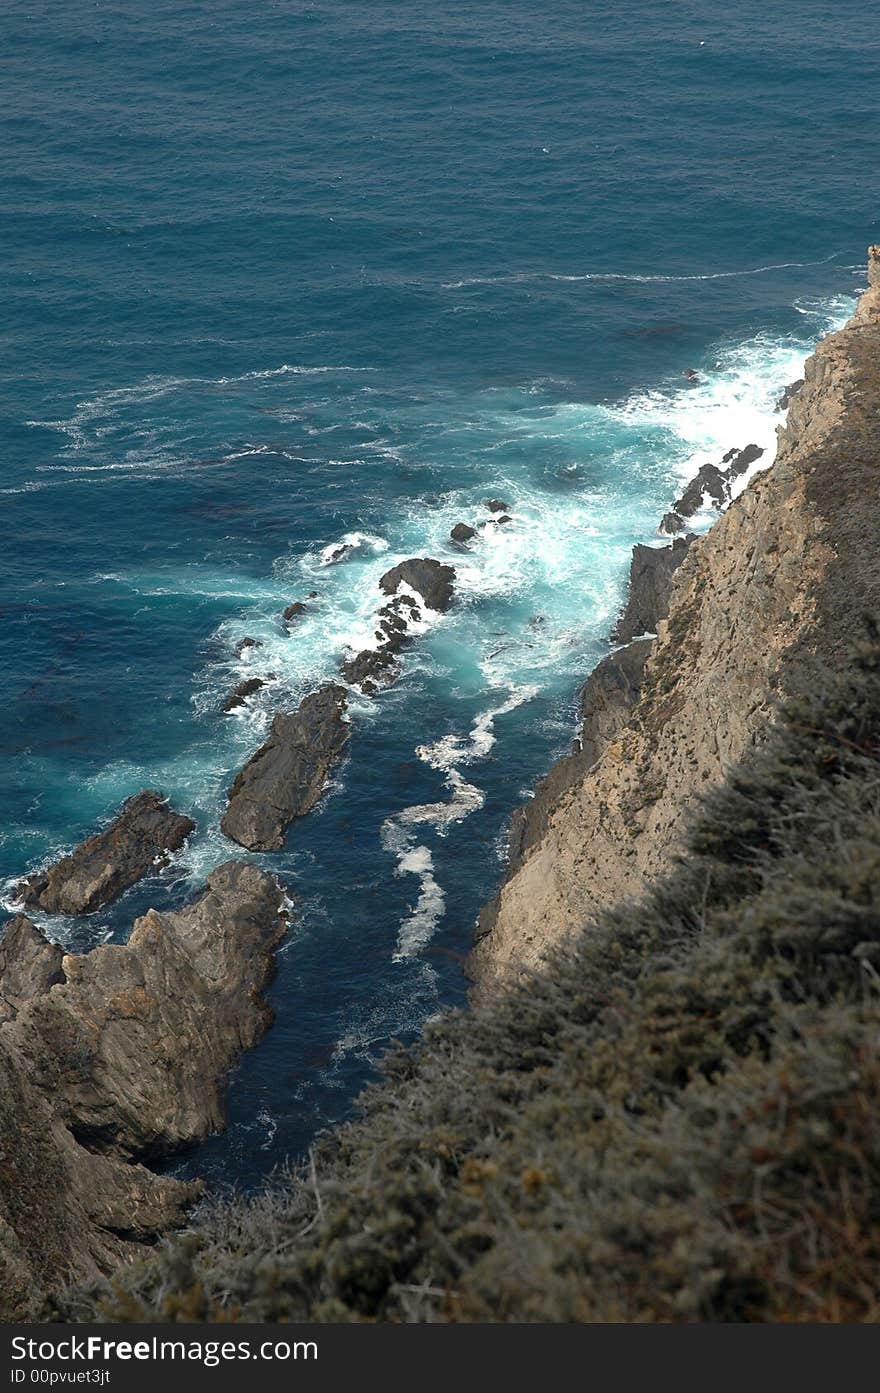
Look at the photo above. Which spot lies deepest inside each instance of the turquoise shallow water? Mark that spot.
(277, 276)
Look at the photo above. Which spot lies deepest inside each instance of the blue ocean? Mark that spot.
(282, 277)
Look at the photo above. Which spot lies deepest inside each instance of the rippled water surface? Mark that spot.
(277, 277)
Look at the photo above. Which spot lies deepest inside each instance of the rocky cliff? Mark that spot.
(781, 578)
(113, 1057)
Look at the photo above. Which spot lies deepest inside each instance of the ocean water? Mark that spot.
(278, 276)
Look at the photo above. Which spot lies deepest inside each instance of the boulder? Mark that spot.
(239, 694)
(245, 643)
(286, 777)
(430, 579)
(138, 841)
(461, 532)
(497, 505)
(650, 584)
(294, 611)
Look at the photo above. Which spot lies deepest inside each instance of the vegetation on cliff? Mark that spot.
(674, 1120)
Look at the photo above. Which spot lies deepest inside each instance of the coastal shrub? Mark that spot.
(676, 1119)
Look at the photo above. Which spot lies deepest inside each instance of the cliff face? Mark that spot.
(783, 576)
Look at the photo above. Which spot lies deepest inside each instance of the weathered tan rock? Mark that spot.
(114, 1056)
(785, 573)
(137, 841)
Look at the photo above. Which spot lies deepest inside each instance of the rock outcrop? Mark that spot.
(116, 1056)
(139, 840)
(782, 577)
(287, 775)
(711, 484)
(463, 532)
(240, 693)
(374, 668)
(650, 585)
(430, 579)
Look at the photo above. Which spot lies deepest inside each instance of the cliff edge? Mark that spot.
(782, 577)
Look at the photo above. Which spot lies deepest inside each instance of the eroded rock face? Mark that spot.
(286, 777)
(650, 585)
(138, 841)
(116, 1055)
(29, 965)
(430, 579)
(606, 699)
(784, 573)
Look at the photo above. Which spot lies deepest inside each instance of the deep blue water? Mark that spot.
(275, 274)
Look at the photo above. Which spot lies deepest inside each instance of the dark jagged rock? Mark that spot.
(114, 1055)
(789, 394)
(606, 700)
(371, 669)
(294, 611)
(713, 483)
(286, 777)
(239, 694)
(650, 585)
(374, 668)
(671, 523)
(430, 579)
(505, 517)
(738, 461)
(139, 840)
(461, 532)
(245, 643)
(29, 965)
(708, 482)
(497, 505)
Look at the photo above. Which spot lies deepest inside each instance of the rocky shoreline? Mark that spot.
(780, 578)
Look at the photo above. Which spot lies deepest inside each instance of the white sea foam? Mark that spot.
(398, 834)
(518, 277)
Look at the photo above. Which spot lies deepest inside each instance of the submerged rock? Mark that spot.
(430, 579)
(294, 611)
(286, 777)
(650, 585)
(239, 694)
(462, 532)
(138, 841)
(497, 505)
(245, 643)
